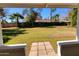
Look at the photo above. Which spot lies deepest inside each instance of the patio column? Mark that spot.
(77, 32)
(1, 39)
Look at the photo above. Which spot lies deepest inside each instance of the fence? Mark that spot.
(9, 25)
(44, 24)
(36, 24)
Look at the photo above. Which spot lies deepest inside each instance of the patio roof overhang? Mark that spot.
(39, 5)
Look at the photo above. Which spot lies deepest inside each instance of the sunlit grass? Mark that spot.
(44, 34)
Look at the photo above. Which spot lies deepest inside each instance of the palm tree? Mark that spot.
(39, 10)
(52, 10)
(16, 16)
(32, 15)
(57, 17)
(54, 18)
(27, 11)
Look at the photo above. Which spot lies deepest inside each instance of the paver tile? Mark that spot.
(34, 48)
(50, 52)
(48, 47)
(33, 53)
(35, 44)
(41, 47)
(41, 43)
(42, 53)
(47, 43)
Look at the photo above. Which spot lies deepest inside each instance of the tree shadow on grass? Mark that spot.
(12, 32)
(49, 27)
(6, 39)
(8, 33)
(45, 26)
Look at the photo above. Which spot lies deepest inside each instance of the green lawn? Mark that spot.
(29, 35)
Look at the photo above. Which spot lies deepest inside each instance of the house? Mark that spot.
(64, 19)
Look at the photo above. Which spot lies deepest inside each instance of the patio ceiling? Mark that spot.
(39, 5)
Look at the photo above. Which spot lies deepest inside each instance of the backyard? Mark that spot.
(39, 34)
(34, 25)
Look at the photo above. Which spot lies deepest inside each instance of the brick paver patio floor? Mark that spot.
(41, 49)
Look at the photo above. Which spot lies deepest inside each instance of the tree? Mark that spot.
(3, 13)
(16, 16)
(73, 17)
(32, 15)
(54, 18)
(39, 10)
(57, 17)
(52, 10)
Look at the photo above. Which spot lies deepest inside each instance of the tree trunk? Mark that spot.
(51, 14)
(17, 22)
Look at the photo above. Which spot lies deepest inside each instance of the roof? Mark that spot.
(40, 5)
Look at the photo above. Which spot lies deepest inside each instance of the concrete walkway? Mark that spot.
(41, 49)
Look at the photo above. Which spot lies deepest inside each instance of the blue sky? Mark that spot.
(45, 12)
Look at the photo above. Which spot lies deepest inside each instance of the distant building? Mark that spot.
(64, 19)
(42, 20)
(38, 19)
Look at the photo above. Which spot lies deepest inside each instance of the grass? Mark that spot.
(11, 32)
(52, 34)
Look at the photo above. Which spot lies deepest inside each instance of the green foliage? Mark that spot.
(52, 10)
(3, 14)
(16, 16)
(31, 16)
(73, 17)
(56, 17)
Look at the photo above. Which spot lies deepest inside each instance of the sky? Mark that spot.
(63, 12)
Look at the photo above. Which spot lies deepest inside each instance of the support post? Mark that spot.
(77, 32)
(1, 38)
